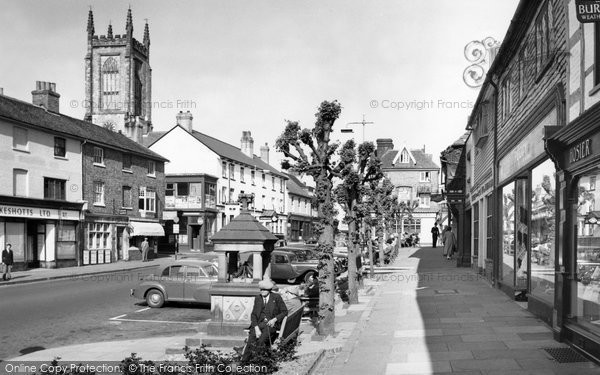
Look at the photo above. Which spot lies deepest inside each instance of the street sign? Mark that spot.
(588, 10)
(175, 228)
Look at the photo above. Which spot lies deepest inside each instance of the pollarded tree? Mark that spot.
(318, 163)
(383, 202)
(361, 168)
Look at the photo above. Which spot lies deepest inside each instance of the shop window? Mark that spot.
(99, 236)
(99, 193)
(126, 196)
(98, 155)
(476, 229)
(508, 234)
(66, 242)
(54, 189)
(147, 199)
(210, 228)
(596, 54)
(522, 235)
(126, 162)
(170, 190)
(20, 185)
(489, 226)
(586, 287)
(183, 189)
(543, 231)
(60, 147)
(20, 139)
(210, 197)
(195, 189)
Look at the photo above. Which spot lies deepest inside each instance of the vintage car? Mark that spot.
(186, 280)
(285, 265)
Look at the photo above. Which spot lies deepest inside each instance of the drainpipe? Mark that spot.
(496, 203)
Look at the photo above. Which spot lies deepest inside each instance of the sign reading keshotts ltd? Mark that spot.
(38, 213)
(588, 10)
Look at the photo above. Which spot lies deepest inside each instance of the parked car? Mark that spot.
(285, 265)
(186, 280)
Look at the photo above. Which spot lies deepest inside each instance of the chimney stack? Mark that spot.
(45, 95)
(247, 144)
(184, 119)
(384, 145)
(264, 153)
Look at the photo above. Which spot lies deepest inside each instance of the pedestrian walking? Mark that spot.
(435, 232)
(449, 241)
(145, 248)
(7, 262)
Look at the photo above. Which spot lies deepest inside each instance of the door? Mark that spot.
(173, 279)
(197, 284)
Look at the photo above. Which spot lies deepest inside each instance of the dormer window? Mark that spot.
(404, 157)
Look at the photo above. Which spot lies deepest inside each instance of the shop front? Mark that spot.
(299, 228)
(527, 240)
(576, 150)
(43, 234)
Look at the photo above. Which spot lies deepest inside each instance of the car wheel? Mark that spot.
(155, 298)
(308, 275)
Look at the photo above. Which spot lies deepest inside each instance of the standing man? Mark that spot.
(7, 260)
(145, 248)
(267, 314)
(435, 232)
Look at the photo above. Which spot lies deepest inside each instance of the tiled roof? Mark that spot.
(152, 137)
(38, 117)
(422, 161)
(244, 228)
(296, 187)
(223, 149)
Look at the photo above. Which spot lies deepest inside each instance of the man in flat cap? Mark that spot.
(267, 314)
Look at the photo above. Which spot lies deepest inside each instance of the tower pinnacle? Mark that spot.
(90, 24)
(129, 23)
(146, 35)
(109, 34)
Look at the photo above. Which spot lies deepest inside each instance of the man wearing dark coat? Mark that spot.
(435, 232)
(267, 314)
(7, 261)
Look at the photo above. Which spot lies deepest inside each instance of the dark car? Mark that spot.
(186, 280)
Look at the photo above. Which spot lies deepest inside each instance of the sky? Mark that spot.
(251, 65)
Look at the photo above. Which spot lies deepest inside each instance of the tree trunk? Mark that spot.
(382, 247)
(352, 266)
(326, 325)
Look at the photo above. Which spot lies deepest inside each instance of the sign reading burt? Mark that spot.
(588, 10)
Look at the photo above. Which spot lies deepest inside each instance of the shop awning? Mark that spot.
(140, 228)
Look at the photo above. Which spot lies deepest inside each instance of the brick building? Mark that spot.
(415, 177)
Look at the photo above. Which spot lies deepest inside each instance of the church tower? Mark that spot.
(118, 80)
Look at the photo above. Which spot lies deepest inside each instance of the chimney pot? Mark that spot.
(45, 95)
(264, 153)
(185, 121)
(384, 145)
(247, 141)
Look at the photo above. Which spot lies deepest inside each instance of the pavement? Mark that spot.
(421, 315)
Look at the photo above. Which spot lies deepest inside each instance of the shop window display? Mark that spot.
(543, 229)
(586, 296)
(521, 237)
(508, 237)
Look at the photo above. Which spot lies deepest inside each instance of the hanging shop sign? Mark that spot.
(587, 10)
